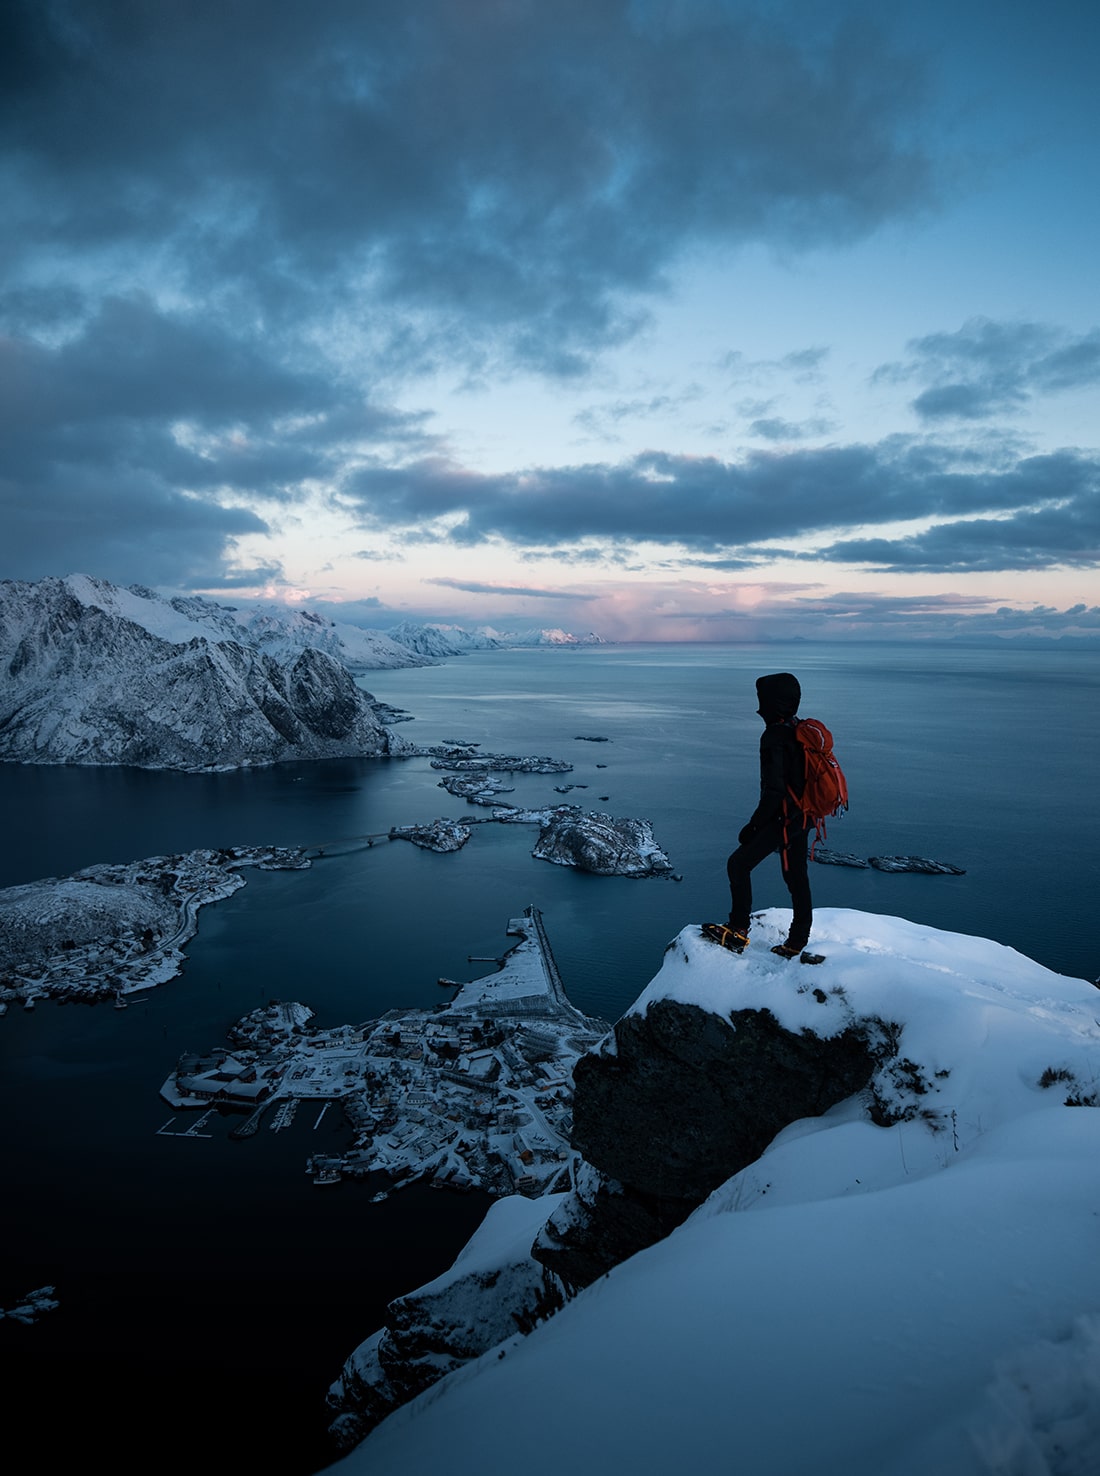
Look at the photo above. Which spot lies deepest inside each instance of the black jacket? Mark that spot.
(782, 762)
(782, 768)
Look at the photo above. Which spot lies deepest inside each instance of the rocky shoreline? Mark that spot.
(108, 931)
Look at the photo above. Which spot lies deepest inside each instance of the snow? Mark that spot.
(521, 976)
(143, 607)
(861, 1301)
(280, 631)
(506, 1233)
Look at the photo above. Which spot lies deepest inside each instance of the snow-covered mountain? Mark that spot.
(553, 637)
(282, 633)
(277, 630)
(94, 674)
(441, 641)
(900, 1278)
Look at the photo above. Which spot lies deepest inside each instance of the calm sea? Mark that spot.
(209, 1291)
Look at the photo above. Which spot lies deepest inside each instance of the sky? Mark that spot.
(860, 1300)
(668, 319)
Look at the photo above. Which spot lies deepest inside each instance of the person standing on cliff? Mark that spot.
(777, 824)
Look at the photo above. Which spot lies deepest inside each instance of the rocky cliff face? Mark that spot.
(84, 683)
(677, 1102)
(674, 1101)
(495, 1290)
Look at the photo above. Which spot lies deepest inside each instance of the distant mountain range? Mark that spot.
(91, 673)
(441, 641)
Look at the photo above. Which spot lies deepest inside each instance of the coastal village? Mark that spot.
(475, 1093)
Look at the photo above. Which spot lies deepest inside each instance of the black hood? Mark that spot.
(778, 696)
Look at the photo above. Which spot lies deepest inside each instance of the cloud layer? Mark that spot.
(229, 226)
(988, 368)
(1038, 510)
(240, 237)
(510, 170)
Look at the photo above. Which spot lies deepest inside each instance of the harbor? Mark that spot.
(472, 1094)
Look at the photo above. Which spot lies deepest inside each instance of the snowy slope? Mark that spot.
(440, 641)
(282, 633)
(861, 1301)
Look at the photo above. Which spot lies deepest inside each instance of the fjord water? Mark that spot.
(203, 1279)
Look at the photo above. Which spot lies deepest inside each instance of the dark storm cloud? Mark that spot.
(989, 368)
(1056, 534)
(1041, 504)
(123, 439)
(76, 525)
(513, 168)
(198, 195)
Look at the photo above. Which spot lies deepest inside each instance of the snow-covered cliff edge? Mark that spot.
(899, 1276)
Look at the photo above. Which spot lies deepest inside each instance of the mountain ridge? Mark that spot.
(88, 683)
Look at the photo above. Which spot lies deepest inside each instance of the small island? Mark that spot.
(475, 1093)
(886, 863)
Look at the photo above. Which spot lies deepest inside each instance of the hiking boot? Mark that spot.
(736, 940)
(787, 950)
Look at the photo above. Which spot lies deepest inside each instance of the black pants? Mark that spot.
(746, 858)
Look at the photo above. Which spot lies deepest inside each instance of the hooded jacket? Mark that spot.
(782, 765)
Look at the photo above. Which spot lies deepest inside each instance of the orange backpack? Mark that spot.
(825, 792)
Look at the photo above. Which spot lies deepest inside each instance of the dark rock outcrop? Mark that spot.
(685, 1099)
(689, 1098)
(602, 1223)
(670, 1105)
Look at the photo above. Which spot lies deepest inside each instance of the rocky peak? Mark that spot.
(86, 682)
